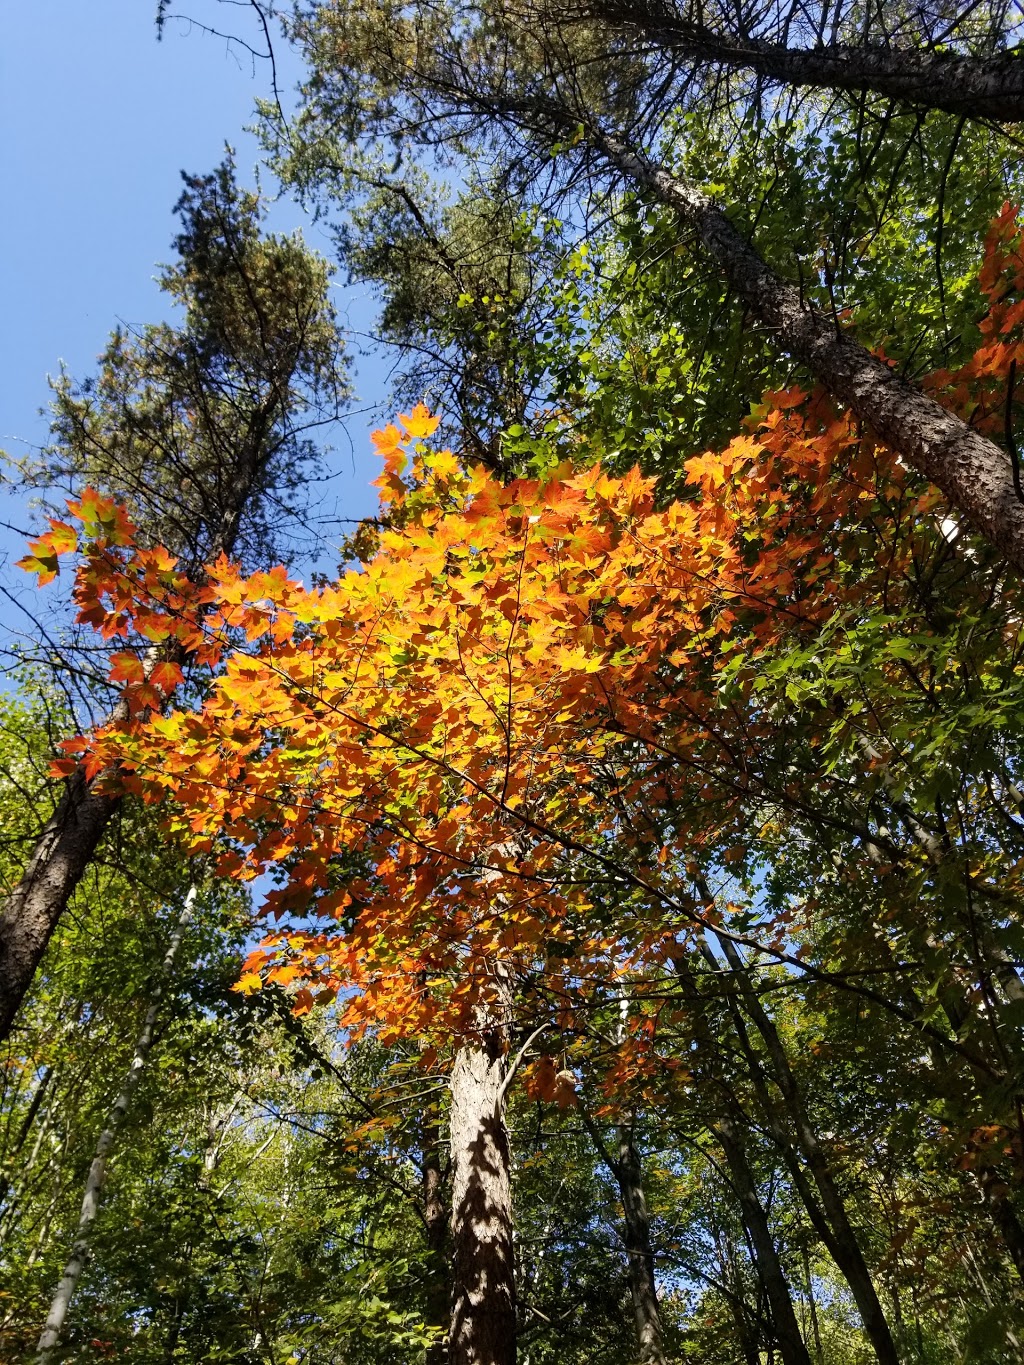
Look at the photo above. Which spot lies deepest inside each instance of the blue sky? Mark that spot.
(98, 119)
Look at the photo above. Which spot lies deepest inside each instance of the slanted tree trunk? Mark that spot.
(254, 382)
(70, 837)
(831, 1220)
(729, 1132)
(769, 1266)
(32, 910)
(979, 87)
(51, 1333)
(483, 1322)
(72, 834)
(972, 471)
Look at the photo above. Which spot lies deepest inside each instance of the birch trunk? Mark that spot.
(50, 1337)
(483, 1322)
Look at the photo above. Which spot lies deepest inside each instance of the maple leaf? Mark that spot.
(126, 667)
(444, 465)
(419, 424)
(43, 564)
(166, 676)
(388, 444)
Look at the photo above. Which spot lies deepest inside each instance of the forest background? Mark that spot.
(681, 1018)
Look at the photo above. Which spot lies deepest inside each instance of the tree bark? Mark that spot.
(972, 471)
(51, 1333)
(769, 1267)
(32, 910)
(838, 1233)
(483, 1322)
(978, 87)
(639, 1251)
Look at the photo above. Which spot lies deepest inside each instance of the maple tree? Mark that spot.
(493, 766)
(498, 749)
(688, 795)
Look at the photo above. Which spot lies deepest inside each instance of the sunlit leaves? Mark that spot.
(554, 665)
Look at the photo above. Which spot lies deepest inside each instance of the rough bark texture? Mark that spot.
(639, 1252)
(834, 1226)
(31, 911)
(50, 1337)
(769, 1267)
(483, 1323)
(972, 471)
(989, 87)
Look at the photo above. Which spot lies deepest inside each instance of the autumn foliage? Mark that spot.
(510, 732)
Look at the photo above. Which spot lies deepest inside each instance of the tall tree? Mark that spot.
(522, 89)
(205, 428)
(915, 57)
(656, 653)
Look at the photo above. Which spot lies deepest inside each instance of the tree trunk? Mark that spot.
(50, 1337)
(32, 909)
(639, 1252)
(972, 471)
(643, 1292)
(728, 1131)
(769, 1267)
(63, 851)
(839, 1235)
(746, 1330)
(483, 1322)
(978, 87)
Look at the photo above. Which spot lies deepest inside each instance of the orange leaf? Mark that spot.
(126, 668)
(45, 566)
(167, 677)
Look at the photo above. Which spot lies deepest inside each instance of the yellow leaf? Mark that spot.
(419, 424)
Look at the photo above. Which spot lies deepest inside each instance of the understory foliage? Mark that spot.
(724, 788)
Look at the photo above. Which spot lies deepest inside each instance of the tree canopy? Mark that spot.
(585, 926)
